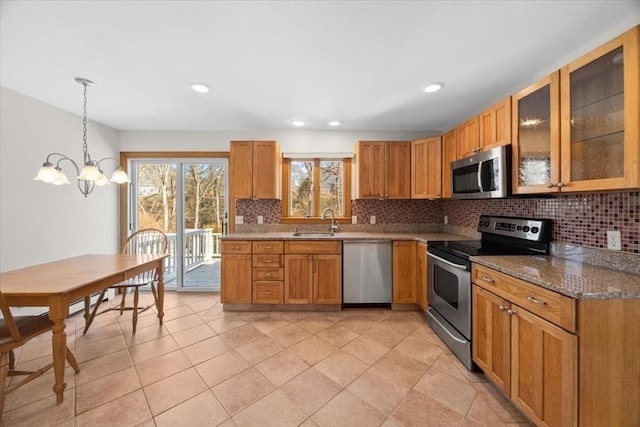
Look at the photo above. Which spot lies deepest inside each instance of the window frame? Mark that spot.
(316, 218)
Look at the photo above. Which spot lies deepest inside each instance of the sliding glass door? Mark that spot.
(187, 200)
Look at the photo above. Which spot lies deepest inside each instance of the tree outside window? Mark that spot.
(315, 185)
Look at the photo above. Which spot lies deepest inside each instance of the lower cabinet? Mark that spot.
(313, 272)
(421, 274)
(533, 361)
(404, 272)
(235, 272)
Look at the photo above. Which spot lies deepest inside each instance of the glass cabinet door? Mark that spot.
(536, 137)
(600, 117)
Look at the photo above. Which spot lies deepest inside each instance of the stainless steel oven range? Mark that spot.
(449, 273)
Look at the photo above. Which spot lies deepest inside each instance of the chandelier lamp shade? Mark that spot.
(91, 174)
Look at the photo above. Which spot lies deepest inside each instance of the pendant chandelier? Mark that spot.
(91, 174)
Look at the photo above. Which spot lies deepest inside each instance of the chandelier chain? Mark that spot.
(84, 120)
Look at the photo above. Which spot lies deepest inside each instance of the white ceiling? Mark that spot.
(361, 62)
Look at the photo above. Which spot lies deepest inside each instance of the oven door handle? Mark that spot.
(435, 319)
(461, 267)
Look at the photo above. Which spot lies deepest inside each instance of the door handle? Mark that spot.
(458, 266)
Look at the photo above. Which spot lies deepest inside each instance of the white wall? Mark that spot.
(41, 222)
(290, 140)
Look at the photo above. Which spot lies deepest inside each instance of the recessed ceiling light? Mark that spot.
(298, 123)
(434, 87)
(200, 88)
(334, 123)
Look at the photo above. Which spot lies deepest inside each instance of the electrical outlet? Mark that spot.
(446, 219)
(239, 219)
(373, 219)
(354, 219)
(260, 219)
(614, 240)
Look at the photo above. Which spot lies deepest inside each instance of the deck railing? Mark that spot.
(200, 246)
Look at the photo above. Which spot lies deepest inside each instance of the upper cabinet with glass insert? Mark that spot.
(600, 118)
(536, 137)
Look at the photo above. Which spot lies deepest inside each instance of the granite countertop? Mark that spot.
(570, 278)
(347, 235)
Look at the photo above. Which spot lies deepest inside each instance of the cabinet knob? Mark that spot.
(510, 312)
(550, 185)
(560, 184)
(248, 257)
(502, 308)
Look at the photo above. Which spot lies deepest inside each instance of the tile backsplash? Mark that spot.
(579, 219)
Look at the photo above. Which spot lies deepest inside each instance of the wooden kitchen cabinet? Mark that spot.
(495, 125)
(421, 274)
(600, 117)
(235, 272)
(536, 137)
(468, 137)
(383, 170)
(404, 272)
(313, 272)
(492, 337)
(564, 369)
(426, 168)
(254, 169)
(267, 272)
(449, 154)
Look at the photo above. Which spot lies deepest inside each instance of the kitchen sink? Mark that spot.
(313, 234)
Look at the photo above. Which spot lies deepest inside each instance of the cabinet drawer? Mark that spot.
(549, 305)
(268, 246)
(267, 292)
(267, 260)
(268, 274)
(236, 247)
(313, 247)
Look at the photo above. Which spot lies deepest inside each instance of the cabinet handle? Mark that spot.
(535, 300)
(550, 185)
(560, 184)
(268, 275)
(502, 308)
(235, 248)
(510, 312)
(268, 292)
(268, 261)
(487, 279)
(268, 247)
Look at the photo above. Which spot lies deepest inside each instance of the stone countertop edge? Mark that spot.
(424, 237)
(571, 278)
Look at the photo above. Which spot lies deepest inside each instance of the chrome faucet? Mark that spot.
(334, 223)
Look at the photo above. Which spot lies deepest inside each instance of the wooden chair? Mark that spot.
(15, 332)
(146, 241)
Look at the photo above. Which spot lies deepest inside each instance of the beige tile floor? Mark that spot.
(207, 367)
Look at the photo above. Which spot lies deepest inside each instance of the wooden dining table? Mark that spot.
(57, 284)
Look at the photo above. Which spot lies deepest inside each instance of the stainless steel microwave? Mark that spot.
(485, 175)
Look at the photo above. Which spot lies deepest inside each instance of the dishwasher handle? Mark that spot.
(347, 242)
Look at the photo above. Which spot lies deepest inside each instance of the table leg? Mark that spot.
(160, 303)
(59, 354)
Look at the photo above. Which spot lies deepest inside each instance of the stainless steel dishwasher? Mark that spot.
(366, 266)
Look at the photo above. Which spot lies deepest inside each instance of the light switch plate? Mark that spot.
(239, 219)
(373, 219)
(260, 219)
(354, 219)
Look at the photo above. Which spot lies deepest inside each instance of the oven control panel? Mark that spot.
(522, 228)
